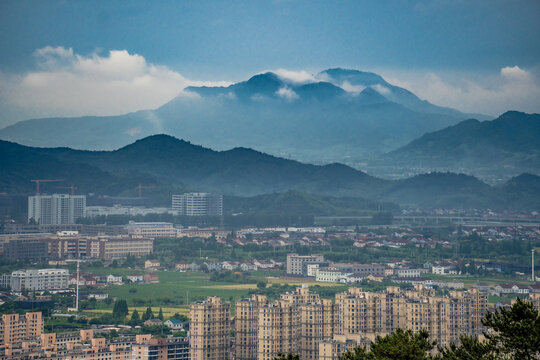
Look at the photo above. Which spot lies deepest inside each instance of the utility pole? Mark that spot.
(533, 278)
(77, 295)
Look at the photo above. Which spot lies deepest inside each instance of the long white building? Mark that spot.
(39, 280)
(198, 204)
(56, 208)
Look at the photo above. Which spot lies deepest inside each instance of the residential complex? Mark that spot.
(39, 280)
(56, 208)
(198, 204)
(209, 329)
(23, 339)
(301, 322)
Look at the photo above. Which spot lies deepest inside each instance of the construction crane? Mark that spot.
(72, 187)
(38, 181)
(143, 187)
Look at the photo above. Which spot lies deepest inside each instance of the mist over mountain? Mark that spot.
(341, 115)
(506, 145)
(172, 165)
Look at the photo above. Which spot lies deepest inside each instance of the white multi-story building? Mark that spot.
(198, 204)
(295, 262)
(39, 280)
(151, 229)
(56, 208)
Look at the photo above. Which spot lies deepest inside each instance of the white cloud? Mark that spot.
(287, 94)
(69, 84)
(295, 77)
(383, 90)
(512, 88)
(514, 73)
(348, 87)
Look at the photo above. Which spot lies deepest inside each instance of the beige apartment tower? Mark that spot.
(209, 329)
(15, 328)
(318, 329)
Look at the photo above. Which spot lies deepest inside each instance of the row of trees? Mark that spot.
(511, 334)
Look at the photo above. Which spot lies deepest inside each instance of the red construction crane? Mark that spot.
(72, 187)
(38, 181)
(143, 187)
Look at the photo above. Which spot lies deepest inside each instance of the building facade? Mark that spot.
(295, 262)
(151, 229)
(303, 323)
(39, 280)
(209, 329)
(198, 204)
(15, 328)
(56, 208)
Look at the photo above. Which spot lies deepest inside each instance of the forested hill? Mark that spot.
(171, 165)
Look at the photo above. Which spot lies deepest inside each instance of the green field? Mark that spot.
(175, 288)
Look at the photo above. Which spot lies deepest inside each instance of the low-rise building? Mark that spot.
(151, 229)
(174, 324)
(151, 264)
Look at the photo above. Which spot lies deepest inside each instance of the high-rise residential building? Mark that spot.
(198, 204)
(56, 208)
(209, 329)
(303, 323)
(295, 262)
(15, 328)
(39, 280)
(295, 323)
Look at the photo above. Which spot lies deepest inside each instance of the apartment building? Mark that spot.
(15, 328)
(209, 329)
(444, 317)
(296, 323)
(39, 280)
(83, 345)
(147, 348)
(296, 262)
(198, 204)
(56, 208)
(301, 322)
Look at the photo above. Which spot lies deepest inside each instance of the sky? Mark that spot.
(73, 58)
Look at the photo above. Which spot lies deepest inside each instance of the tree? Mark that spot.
(135, 319)
(289, 356)
(400, 345)
(515, 333)
(148, 314)
(120, 310)
(261, 284)
(470, 348)
(160, 315)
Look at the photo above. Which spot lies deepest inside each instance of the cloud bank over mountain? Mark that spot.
(68, 84)
(64, 83)
(513, 88)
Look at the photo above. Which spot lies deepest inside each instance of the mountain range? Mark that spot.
(171, 165)
(340, 115)
(511, 140)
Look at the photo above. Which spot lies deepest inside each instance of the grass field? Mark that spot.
(167, 311)
(176, 289)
